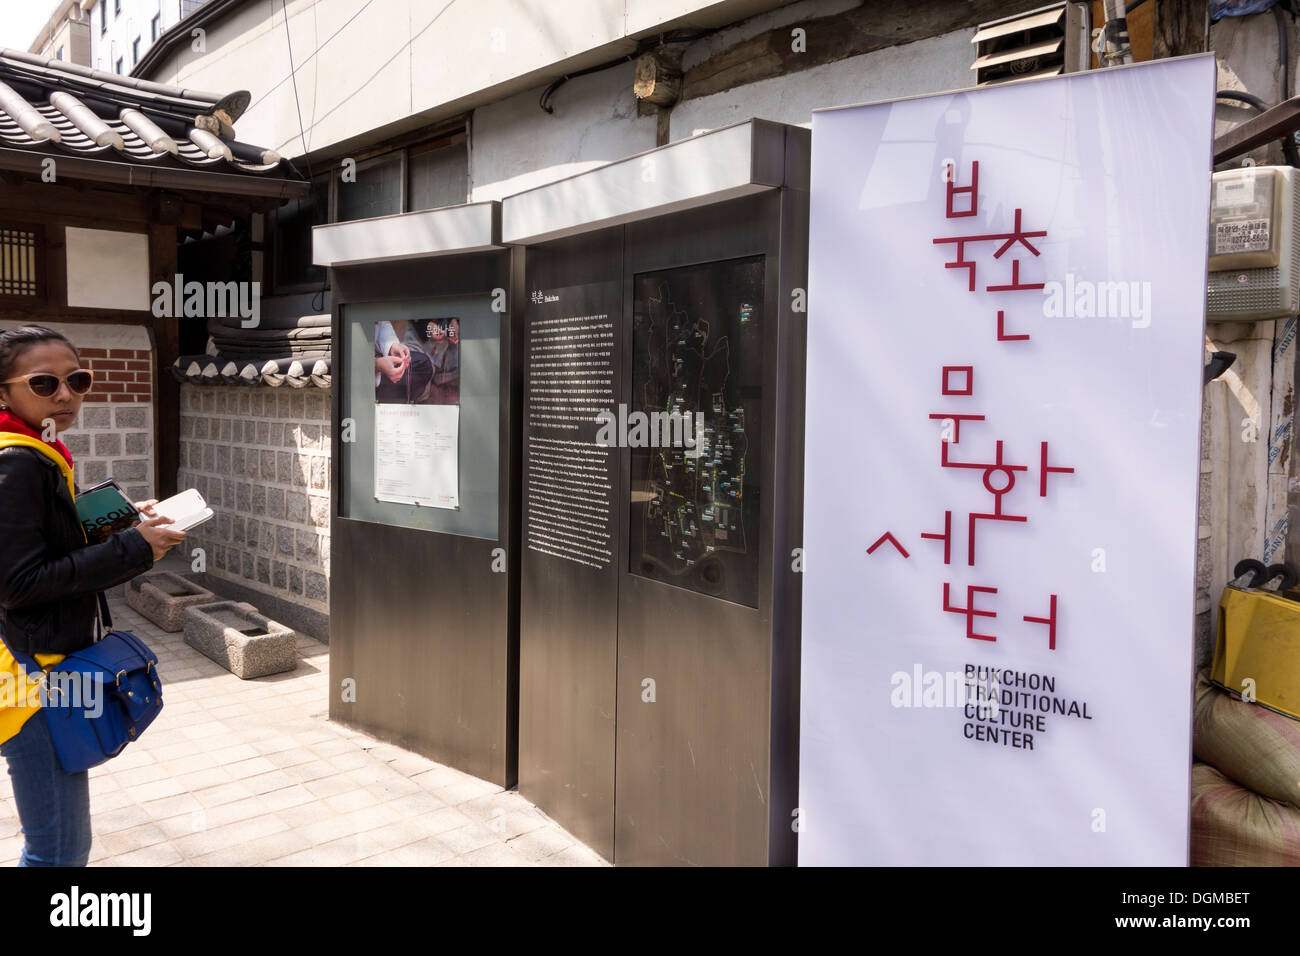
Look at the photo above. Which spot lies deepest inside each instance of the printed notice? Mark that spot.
(416, 454)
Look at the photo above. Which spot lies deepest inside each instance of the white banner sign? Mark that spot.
(1005, 346)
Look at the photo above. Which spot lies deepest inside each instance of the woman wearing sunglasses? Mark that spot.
(49, 580)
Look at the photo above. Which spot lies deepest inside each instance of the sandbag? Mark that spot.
(1251, 745)
(1233, 826)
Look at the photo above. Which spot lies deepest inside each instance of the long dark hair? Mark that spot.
(13, 342)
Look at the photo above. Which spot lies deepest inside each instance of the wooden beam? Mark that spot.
(167, 392)
(1277, 123)
(872, 26)
(1182, 27)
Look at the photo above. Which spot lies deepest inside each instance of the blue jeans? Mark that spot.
(53, 805)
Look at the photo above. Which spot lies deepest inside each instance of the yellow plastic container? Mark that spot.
(1258, 648)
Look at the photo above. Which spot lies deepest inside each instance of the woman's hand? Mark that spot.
(145, 508)
(161, 539)
(391, 367)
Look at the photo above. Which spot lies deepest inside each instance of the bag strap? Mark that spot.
(104, 620)
(28, 663)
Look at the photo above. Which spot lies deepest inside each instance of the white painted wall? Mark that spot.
(363, 67)
(515, 145)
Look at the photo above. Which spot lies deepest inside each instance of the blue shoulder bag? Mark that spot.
(99, 699)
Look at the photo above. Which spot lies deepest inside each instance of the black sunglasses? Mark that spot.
(43, 384)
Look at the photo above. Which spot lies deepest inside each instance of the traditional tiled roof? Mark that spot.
(53, 108)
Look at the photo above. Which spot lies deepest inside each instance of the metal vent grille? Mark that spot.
(1044, 42)
(19, 269)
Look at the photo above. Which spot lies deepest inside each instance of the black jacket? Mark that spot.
(49, 576)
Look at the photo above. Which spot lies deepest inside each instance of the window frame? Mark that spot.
(40, 263)
(155, 27)
(135, 51)
(332, 178)
(273, 247)
(369, 163)
(460, 137)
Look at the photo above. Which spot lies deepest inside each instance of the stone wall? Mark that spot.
(260, 456)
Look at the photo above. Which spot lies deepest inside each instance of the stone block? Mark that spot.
(79, 445)
(108, 445)
(130, 470)
(237, 637)
(96, 416)
(163, 596)
(137, 443)
(131, 417)
(94, 472)
(318, 588)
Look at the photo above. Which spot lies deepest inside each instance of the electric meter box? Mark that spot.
(1254, 248)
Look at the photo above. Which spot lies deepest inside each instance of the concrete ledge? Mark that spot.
(244, 642)
(162, 597)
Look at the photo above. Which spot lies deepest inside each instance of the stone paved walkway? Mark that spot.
(252, 773)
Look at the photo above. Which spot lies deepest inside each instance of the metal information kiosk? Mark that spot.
(659, 616)
(425, 495)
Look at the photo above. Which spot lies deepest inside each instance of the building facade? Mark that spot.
(122, 31)
(66, 36)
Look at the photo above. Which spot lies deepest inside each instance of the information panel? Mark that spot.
(1005, 344)
(697, 339)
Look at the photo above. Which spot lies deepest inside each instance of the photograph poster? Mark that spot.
(417, 412)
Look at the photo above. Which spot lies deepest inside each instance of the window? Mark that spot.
(60, 53)
(117, 7)
(153, 27)
(118, 66)
(103, 18)
(135, 51)
(291, 244)
(377, 190)
(428, 175)
(437, 174)
(20, 266)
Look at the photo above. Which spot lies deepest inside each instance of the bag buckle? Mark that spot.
(118, 678)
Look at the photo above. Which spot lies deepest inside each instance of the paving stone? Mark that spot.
(253, 773)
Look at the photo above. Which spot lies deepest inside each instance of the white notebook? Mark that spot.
(186, 510)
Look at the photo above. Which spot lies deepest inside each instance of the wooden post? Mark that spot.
(167, 392)
(1182, 27)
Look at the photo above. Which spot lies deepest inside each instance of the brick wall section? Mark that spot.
(121, 375)
(260, 457)
(113, 440)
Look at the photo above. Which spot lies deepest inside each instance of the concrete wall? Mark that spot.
(1247, 466)
(260, 457)
(420, 60)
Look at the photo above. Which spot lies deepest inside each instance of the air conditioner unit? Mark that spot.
(1254, 249)
(1045, 42)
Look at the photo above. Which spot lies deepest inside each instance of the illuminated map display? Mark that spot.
(697, 359)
